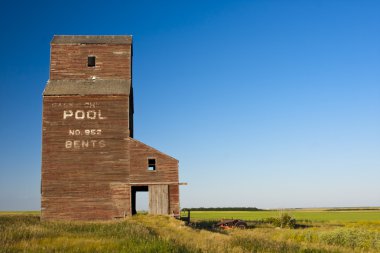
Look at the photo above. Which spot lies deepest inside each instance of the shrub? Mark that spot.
(285, 220)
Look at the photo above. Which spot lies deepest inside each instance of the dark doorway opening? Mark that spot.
(135, 190)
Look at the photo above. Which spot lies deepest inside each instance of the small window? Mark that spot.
(91, 61)
(151, 164)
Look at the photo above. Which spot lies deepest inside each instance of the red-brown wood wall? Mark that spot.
(70, 61)
(89, 160)
(84, 161)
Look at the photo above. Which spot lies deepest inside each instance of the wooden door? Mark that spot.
(158, 199)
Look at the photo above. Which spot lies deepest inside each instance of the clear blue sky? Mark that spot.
(265, 103)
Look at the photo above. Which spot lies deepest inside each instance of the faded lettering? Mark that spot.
(75, 132)
(68, 144)
(93, 131)
(90, 112)
(64, 105)
(83, 144)
(67, 113)
(102, 144)
(82, 114)
(79, 114)
(90, 104)
(85, 131)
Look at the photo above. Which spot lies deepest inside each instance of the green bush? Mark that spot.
(285, 220)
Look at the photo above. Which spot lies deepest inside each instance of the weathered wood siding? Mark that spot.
(174, 206)
(70, 61)
(158, 199)
(166, 167)
(85, 160)
(89, 160)
(166, 171)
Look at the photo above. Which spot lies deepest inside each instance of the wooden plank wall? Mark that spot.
(158, 199)
(166, 166)
(166, 171)
(69, 62)
(85, 161)
(174, 206)
(89, 161)
(121, 198)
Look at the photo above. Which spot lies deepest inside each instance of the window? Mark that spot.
(151, 164)
(91, 61)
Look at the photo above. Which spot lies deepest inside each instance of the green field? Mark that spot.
(318, 231)
(6, 213)
(308, 214)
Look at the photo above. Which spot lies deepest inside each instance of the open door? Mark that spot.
(134, 191)
(158, 199)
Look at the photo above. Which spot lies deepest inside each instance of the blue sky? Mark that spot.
(269, 103)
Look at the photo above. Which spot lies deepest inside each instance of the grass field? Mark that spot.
(307, 214)
(325, 231)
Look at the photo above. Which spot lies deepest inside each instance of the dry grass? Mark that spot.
(144, 233)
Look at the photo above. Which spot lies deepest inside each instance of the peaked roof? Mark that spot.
(92, 39)
(87, 87)
(146, 145)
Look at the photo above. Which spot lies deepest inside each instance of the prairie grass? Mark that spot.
(309, 214)
(28, 234)
(145, 233)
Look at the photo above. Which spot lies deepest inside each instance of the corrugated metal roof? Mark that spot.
(92, 39)
(87, 87)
